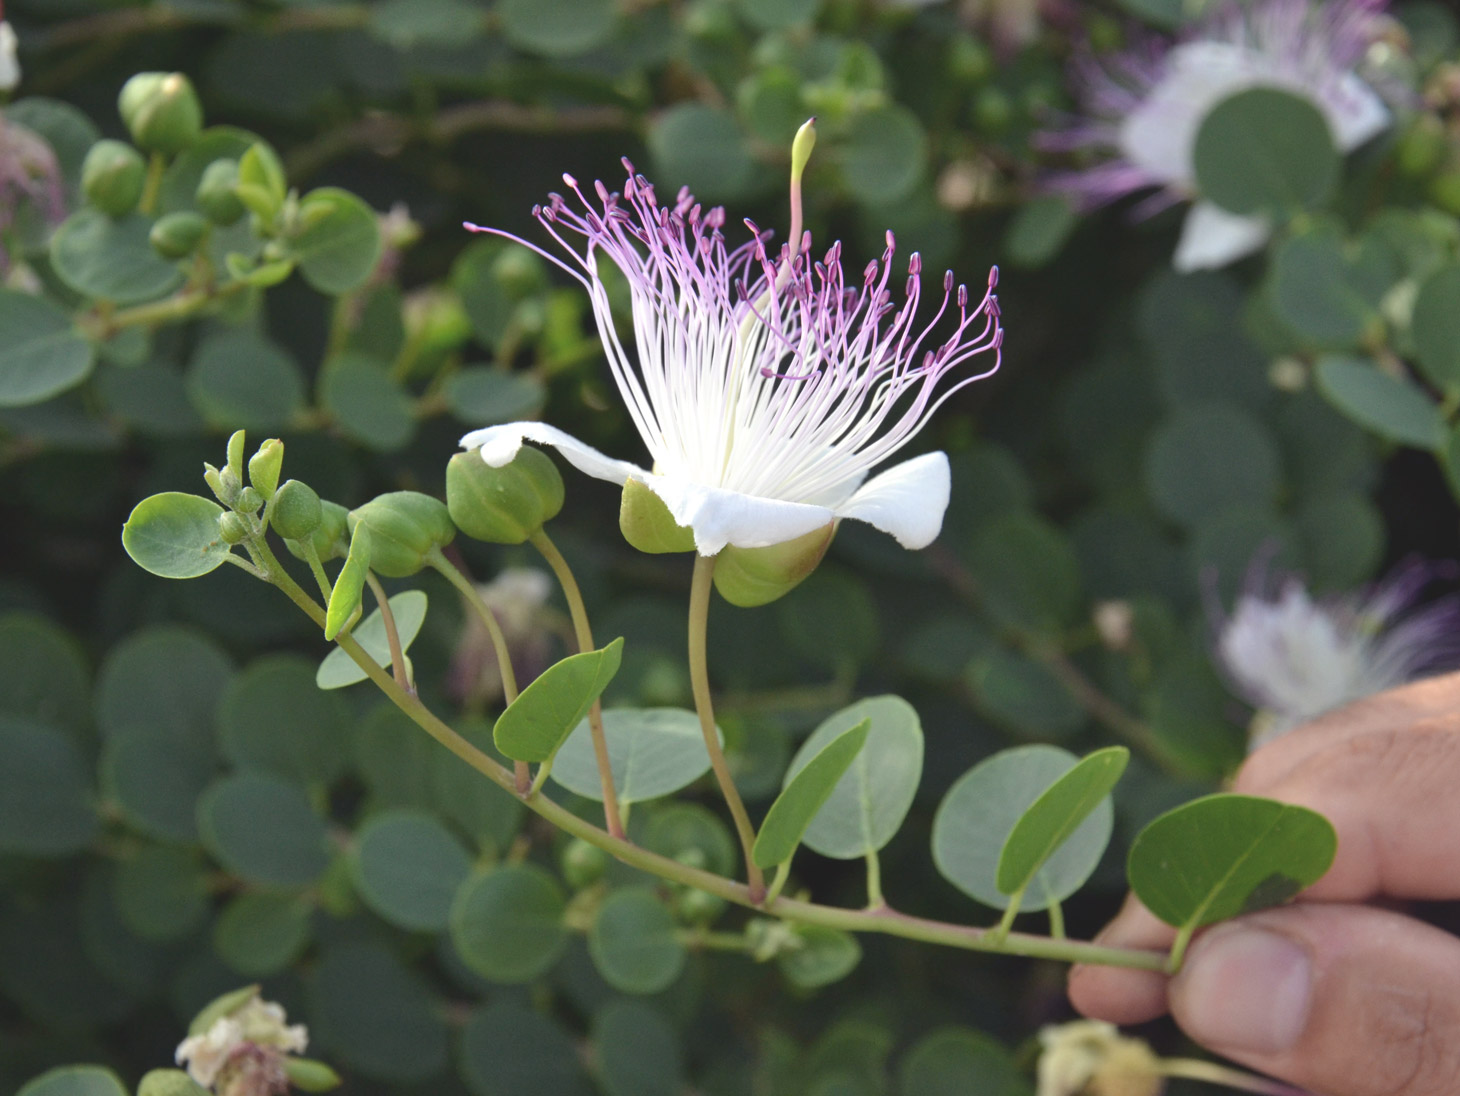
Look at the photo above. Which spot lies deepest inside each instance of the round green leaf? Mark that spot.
(506, 1048)
(166, 679)
(161, 893)
(981, 810)
(238, 379)
(1435, 327)
(111, 260)
(265, 830)
(819, 957)
(43, 674)
(507, 924)
(338, 669)
(75, 1081)
(1265, 150)
(45, 792)
(700, 147)
(535, 725)
(1023, 695)
(556, 28)
(408, 868)
(175, 535)
(376, 1016)
(1192, 324)
(1342, 536)
(409, 23)
(956, 1061)
(1390, 406)
(778, 14)
(678, 830)
(1053, 818)
(262, 933)
(637, 1052)
(1319, 292)
(830, 620)
(340, 243)
(653, 752)
(1027, 572)
(1039, 229)
(41, 352)
(480, 396)
(884, 155)
(634, 944)
(1225, 855)
(873, 796)
(367, 403)
(150, 398)
(1207, 456)
(275, 719)
(804, 795)
(155, 781)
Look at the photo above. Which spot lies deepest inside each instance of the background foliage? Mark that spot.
(181, 810)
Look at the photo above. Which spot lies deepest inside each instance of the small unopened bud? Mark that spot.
(311, 1075)
(756, 576)
(236, 441)
(1288, 374)
(582, 864)
(217, 194)
(503, 505)
(801, 147)
(405, 527)
(697, 907)
(249, 500)
(177, 235)
(296, 511)
(1115, 623)
(214, 479)
(647, 524)
(331, 535)
(264, 467)
(112, 177)
(168, 1082)
(229, 488)
(232, 528)
(161, 111)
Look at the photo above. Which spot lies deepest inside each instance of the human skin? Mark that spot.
(1338, 992)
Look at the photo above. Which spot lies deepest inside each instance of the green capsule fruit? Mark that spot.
(405, 527)
(161, 111)
(503, 505)
(217, 193)
(112, 177)
(177, 235)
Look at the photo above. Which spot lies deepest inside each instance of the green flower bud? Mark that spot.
(647, 524)
(236, 441)
(214, 479)
(224, 483)
(755, 576)
(112, 177)
(249, 500)
(217, 194)
(264, 466)
(405, 527)
(177, 235)
(262, 185)
(503, 505)
(232, 528)
(699, 907)
(331, 536)
(169, 1082)
(161, 111)
(582, 864)
(309, 1075)
(1420, 146)
(296, 511)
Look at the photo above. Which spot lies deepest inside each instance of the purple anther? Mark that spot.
(915, 263)
(948, 281)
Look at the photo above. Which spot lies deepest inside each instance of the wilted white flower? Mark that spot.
(1293, 657)
(1092, 1058)
(517, 597)
(9, 62)
(766, 388)
(1144, 107)
(242, 1054)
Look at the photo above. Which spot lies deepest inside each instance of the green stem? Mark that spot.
(499, 644)
(1178, 948)
(316, 568)
(180, 306)
(147, 204)
(778, 884)
(1056, 920)
(392, 634)
(1195, 1070)
(699, 676)
(1001, 930)
(579, 612)
(874, 881)
(886, 921)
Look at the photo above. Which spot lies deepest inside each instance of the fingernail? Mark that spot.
(1245, 989)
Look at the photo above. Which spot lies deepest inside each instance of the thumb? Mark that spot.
(1343, 1000)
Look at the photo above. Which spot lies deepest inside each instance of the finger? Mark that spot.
(1420, 701)
(1390, 794)
(1344, 1000)
(1116, 994)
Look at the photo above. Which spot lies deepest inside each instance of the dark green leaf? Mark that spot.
(804, 794)
(1039, 229)
(481, 396)
(1435, 327)
(556, 28)
(956, 1061)
(238, 379)
(884, 155)
(275, 719)
(637, 1052)
(75, 1081)
(45, 792)
(367, 403)
(507, 1048)
(264, 830)
(1395, 409)
(634, 944)
(375, 1014)
(41, 352)
(545, 713)
(1207, 456)
(700, 147)
(819, 957)
(262, 932)
(408, 868)
(1265, 150)
(112, 260)
(507, 924)
(340, 243)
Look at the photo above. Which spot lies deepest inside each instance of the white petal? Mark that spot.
(908, 500)
(1355, 112)
(499, 444)
(9, 66)
(720, 517)
(1212, 238)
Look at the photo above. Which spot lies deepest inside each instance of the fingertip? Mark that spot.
(1117, 995)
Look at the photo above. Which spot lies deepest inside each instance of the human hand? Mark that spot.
(1332, 993)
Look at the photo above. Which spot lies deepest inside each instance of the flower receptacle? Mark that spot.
(648, 525)
(756, 576)
(503, 505)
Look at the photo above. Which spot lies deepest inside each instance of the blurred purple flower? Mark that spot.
(29, 174)
(766, 388)
(1144, 107)
(1294, 658)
